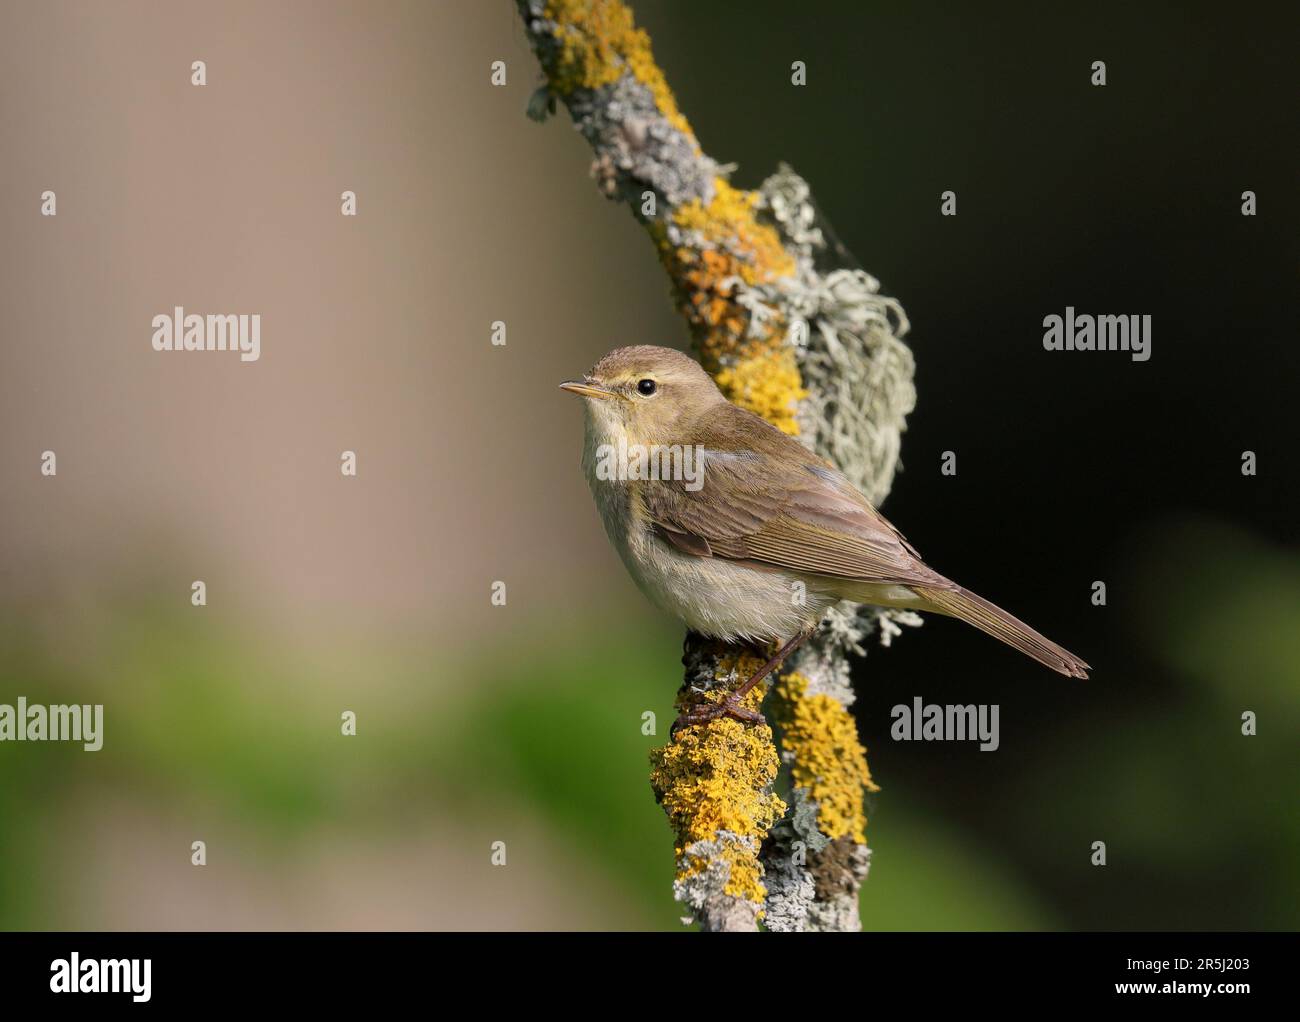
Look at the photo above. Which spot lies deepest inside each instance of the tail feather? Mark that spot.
(993, 620)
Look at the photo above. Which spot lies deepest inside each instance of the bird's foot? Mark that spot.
(707, 712)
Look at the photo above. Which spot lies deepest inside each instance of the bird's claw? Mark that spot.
(708, 712)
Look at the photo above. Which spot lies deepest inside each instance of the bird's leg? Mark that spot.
(730, 706)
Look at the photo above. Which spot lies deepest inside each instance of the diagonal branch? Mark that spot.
(812, 346)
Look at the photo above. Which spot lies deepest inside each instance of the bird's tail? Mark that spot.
(993, 620)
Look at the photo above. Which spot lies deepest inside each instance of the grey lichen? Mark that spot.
(791, 889)
(704, 892)
(847, 338)
(813, 889)
(838, 874)
(635, 145)
(637, 148)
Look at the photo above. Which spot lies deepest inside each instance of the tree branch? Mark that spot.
(791, 329)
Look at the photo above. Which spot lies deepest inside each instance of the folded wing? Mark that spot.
(783, 509)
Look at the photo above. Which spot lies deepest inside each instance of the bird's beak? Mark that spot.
(583, 388)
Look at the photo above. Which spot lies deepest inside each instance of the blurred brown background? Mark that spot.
(522, 724)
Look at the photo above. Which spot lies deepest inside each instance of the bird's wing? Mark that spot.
(791, 511)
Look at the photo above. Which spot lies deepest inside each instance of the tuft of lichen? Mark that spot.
(848, 342)
(820, 740)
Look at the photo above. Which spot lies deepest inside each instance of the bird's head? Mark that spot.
(645, 394)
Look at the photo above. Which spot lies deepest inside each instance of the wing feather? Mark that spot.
(791, 512)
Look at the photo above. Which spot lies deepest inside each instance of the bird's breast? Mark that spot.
(710, 595)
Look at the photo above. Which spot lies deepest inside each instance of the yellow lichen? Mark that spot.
(767, 383)
(599, 43)
(718, 777)
(755, 369)
(745, 878)
(728, 222)
(829, 760)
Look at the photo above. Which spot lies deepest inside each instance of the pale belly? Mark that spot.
(720, 598)
(711, 596)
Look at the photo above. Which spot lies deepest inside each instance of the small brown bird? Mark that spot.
(741, 531)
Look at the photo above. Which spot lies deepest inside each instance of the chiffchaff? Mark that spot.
(741, 531)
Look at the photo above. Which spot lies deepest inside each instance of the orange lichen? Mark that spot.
(747, 249)
(728, 246)
(828, 759)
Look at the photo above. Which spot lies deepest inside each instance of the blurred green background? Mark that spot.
(522, 723)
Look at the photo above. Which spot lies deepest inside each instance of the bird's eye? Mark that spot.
(646, 387)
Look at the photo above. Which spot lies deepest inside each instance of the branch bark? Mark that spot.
(792, 329)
